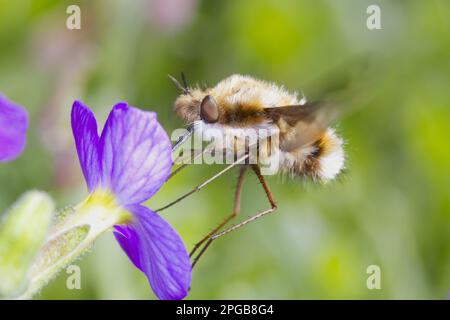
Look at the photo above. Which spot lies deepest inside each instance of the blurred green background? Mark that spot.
(390, 208)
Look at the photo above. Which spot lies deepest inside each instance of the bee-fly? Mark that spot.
(307, 146)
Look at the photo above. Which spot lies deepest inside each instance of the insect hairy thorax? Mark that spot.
(307, 146)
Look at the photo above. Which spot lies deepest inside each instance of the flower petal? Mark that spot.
(84, 128)
(13, 129)
(157, 250)
(136, 154)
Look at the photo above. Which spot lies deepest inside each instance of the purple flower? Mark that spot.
(130, 161)
(13, 129)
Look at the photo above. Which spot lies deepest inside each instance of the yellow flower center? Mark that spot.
(104, 204)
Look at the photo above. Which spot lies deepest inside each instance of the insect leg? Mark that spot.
(202, 185)
(243, 223)
(263, 182)
(194, 154)
(236, 210)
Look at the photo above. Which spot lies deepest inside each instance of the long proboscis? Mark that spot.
(181, 140)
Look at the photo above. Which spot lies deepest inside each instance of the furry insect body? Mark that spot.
(307, 146)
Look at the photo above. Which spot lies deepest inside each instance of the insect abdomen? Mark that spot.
(323, 160)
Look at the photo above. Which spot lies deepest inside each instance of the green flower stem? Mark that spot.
(72, 236)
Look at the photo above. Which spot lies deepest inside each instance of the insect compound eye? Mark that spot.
(209, 110)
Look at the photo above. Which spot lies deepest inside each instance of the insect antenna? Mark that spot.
(182, 87)
(183, 79)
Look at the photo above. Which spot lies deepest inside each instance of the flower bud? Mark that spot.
(22, 233)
